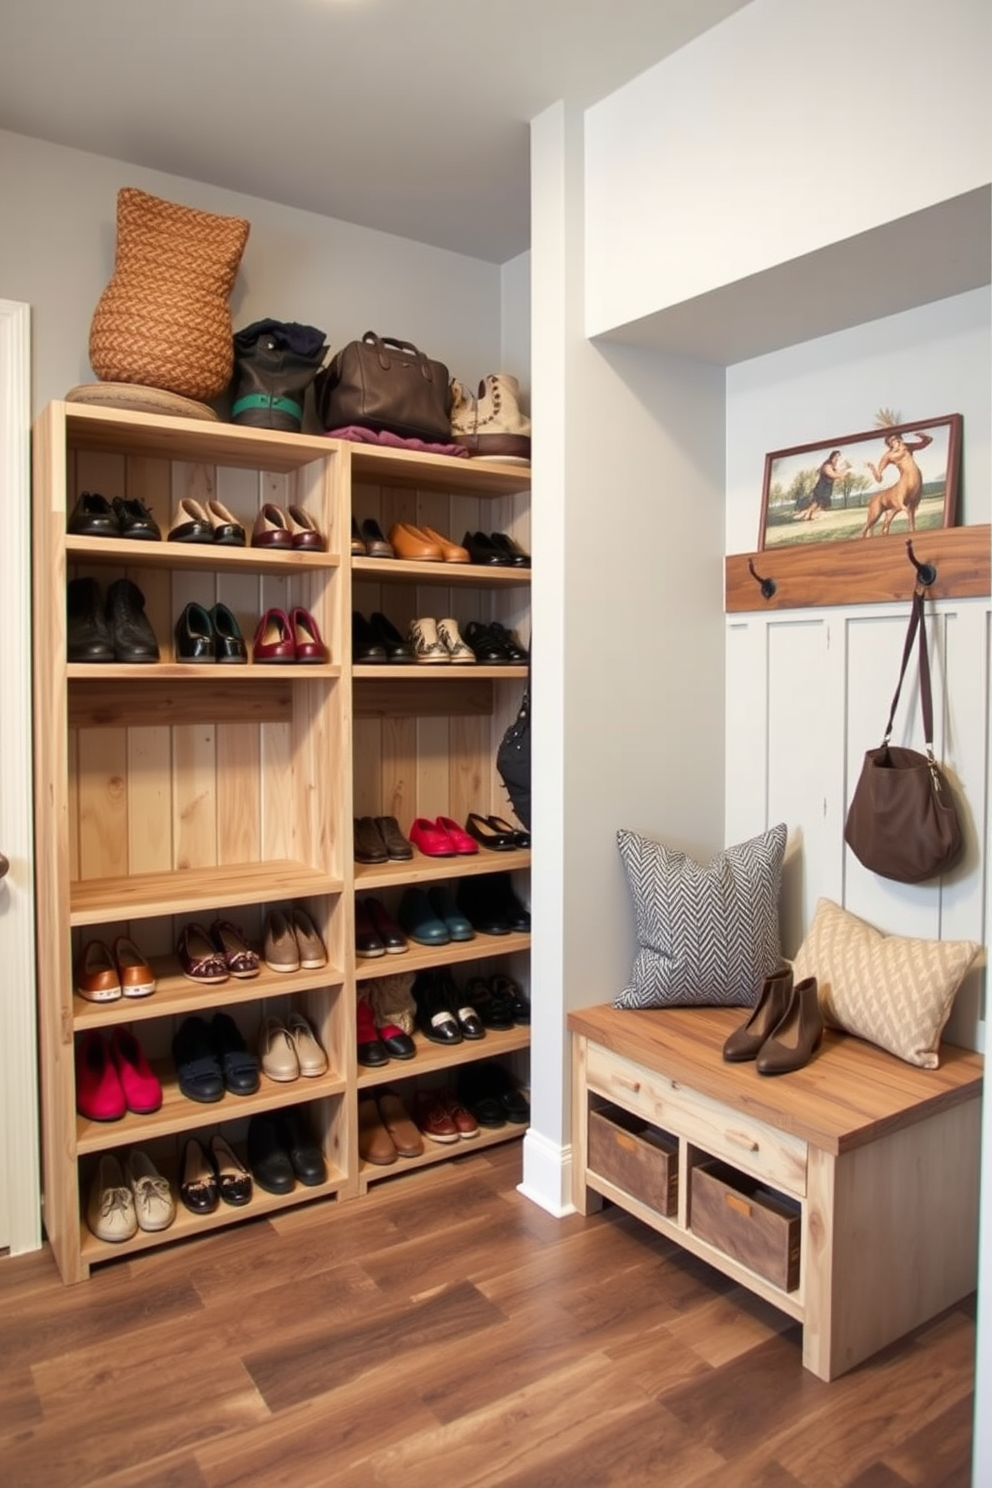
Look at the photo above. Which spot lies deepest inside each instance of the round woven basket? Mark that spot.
(164, 319)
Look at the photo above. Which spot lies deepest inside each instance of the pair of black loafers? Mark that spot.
(282, 1152)
(115, 629)
(213, 1057)
(94, 516)
(493, 644)
(495, 550)
(212, 635)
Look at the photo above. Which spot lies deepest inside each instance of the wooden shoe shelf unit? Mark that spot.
(171, 792)
(425, 736)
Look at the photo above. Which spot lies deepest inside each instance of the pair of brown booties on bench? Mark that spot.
(785, 1028)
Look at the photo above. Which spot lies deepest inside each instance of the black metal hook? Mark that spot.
(926, 573)
(768, 586)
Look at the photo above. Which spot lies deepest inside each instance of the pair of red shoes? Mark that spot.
(113, 1076)
(291, 637)
(441, 838)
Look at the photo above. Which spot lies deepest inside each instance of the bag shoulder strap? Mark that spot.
(917, 627)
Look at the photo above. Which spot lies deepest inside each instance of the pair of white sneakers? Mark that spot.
(491, 424)
(439, 641)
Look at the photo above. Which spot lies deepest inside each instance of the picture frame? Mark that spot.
(890, 481)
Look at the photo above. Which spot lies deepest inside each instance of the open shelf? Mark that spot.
(175, 996)
(192, 890)
(215, 557)
(423, 869)
(421, 958)
(435, 1152)
(430, 1057)
(469, 575)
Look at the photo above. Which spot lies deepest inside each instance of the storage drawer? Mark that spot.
(775, 1156)
(635, 1156)
(754, 1225)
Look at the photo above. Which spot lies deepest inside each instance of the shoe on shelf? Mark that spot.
(307, 536)
(512, 549)
(197, 1179)
(191, 522)
(368, 943)
(436, 1017)
(519, 836)
(139, 1082)
(229, 643)
(491, 425)
(280, 948)
(239, 1066)
(310, 1055)
(399, 651)
(482, 906)
(428, 648)
(136, 976)
(366, 647)
(797, 1035)
(239, 958)
(493, 1004)
(227, 531)
(411, 545)
(271, 528)
(134, 519)
(375, 1145)
(403, 1133)
(492, 1097)
(451, 552)
(154, 1205)
(431, 1114)
(99, 1093)
(132, 635)
(432, 840)
(268, 1158)
(442, 902)
(370, 846)
(357, 541)
(482, 828)
(93, 516)
(110, 1211)
(487, 649)
(274, 641)
(418, 919)
(481, 549)
(516, 653)
(773, 1003)
(510, 993)
(393, 1013)
(194, 635)
(372, 1054)
(313, 952)
(277, 1051)
(199, 958)
(308, 1162)
(197, 1066)
(464, 844)
(307, 642)
(466, 1016)
(465, 1123)
(88, 636)
(96, 974)
(398, 849)
(459, 654)
(394, 942)
(376, 544)
(232, 1178)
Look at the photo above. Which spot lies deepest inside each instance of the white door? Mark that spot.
(20, 1201)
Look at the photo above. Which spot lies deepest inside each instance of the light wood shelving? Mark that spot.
(170, 792)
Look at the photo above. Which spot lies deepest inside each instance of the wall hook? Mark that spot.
(926, 573)
(768, 586)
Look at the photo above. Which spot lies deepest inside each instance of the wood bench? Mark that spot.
(880, 1161)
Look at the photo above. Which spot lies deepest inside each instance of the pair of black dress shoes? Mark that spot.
(444, 1013)
(213, 1057)
(115, 629)
(94, 516)
(377, 642)
(212, 635)
(282, 1151)
(495, 549)
(493, 644)
(488, 902)
(490, 1094)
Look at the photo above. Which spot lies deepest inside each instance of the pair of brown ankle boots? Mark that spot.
(785, 1028)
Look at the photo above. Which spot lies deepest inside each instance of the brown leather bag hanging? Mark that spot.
(902, 822)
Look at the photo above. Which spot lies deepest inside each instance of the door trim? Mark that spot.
(20, 1200)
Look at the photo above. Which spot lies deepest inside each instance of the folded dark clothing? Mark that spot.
(284, 335)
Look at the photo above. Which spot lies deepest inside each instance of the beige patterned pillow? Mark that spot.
(891, 990)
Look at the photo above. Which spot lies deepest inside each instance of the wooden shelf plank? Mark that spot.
(431, 1058)
(192, 556)
(423, 869)
(190, 440)
(102, 702)
(193, 890)
(434, 1152)
(446, 473)
(180, 1114)
(472, 575)
(419, 958)
(199, 673)
(876, 570)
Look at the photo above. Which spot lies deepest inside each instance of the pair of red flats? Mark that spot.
(291, 637)
(113, 1076)
(441, 838)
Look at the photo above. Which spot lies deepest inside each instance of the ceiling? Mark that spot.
(409, 116)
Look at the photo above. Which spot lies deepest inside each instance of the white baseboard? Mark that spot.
(547, 1179)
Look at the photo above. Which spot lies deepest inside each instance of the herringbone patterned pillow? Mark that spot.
(894, 991)
(706, 933)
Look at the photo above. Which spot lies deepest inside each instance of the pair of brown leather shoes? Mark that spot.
(385, 1131)
(425, 545)
(784, 1030)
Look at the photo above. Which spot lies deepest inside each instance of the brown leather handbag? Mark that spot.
(902, 822)
(382, 384)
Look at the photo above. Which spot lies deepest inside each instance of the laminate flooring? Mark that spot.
(447, 1333)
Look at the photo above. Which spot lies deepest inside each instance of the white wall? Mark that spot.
(790, 126)
(57, 247)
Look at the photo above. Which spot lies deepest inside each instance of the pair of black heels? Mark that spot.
(785, 1029)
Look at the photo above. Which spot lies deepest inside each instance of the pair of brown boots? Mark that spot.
(385, 1130)
(785, 1028)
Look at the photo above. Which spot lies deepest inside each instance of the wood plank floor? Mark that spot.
(446, 1331)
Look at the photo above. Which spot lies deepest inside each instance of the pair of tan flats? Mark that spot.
(290, 1049)
(785, 1029)
(291, 942)
(422, 544)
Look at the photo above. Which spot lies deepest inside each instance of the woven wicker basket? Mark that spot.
(164, 319)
